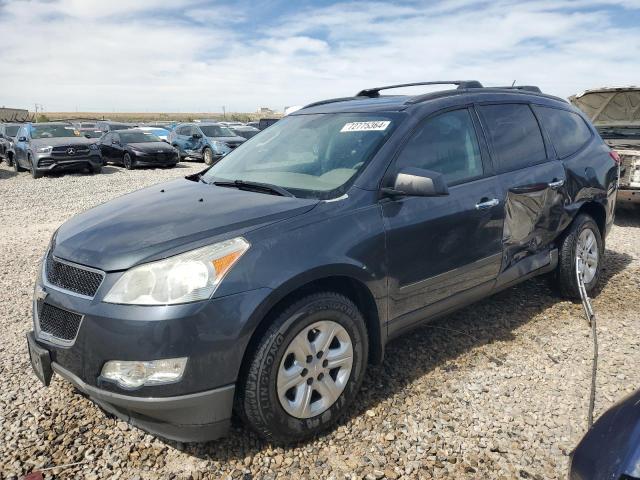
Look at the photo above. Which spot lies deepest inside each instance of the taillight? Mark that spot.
(616, 158)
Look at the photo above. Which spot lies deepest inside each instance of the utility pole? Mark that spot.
(224, 112)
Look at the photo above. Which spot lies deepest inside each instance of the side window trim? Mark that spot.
(392, 169)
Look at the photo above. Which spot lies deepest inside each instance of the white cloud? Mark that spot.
(148, 55)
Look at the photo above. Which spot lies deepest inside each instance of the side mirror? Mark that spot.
(164, 140)
(196, 136)
(416, 182)
(22, 139)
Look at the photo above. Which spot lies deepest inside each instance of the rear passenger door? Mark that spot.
(532, 181)
(439, 247)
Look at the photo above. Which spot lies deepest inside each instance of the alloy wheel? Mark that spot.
(587, 255)
(315, 369)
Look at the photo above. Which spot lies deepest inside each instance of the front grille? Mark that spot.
(58, 323)
(64, 148)
(73, 278)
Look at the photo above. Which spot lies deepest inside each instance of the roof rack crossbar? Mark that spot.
(375, 92)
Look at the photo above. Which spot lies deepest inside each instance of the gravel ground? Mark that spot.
(497, 390)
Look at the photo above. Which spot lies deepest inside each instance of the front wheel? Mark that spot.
(16, 165)
(208, 156)
(581, 249)
(128, 163)
(306, 369)
(34, 171)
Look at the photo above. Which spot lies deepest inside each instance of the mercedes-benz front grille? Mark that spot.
(73, 278)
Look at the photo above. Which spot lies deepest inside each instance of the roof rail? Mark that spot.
(375, 92)
(330, 100)
(528, 88)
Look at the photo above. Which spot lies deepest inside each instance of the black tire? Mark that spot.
(96, 169)
(257, 400)
(34, 172)
(207, 156)
(127, 162)
(564, 278)
(180, 156)
(16, 165)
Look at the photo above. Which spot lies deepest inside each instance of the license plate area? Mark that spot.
(40, 360)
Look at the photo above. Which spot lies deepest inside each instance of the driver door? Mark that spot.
(441, 249)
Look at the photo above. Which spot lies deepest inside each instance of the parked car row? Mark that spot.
(59, 146)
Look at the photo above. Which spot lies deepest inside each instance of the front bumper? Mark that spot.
(628, 195)
(47, 163)
(213, 335)
(196, 417)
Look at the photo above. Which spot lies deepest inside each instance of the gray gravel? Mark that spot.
(498, 390)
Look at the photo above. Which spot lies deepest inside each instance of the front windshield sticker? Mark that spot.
(365, 126)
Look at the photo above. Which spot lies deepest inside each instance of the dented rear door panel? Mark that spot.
(535, 199)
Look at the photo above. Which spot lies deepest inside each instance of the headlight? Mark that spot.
(93, 146)
(187, 277)
(44, 149)
(138, 152)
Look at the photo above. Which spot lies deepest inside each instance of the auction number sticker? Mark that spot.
(365, 126)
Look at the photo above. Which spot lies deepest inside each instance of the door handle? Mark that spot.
(556, 183)
(485, 204)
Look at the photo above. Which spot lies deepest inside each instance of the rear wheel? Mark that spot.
(306, 369)
(581, 247)
(128, 163)
(208, 156)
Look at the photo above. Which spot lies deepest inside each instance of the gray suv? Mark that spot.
(53, 147)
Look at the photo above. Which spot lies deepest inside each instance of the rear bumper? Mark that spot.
(197, 417)
(628, 196)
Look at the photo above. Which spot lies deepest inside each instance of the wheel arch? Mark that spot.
(344, 283)
(598, 212)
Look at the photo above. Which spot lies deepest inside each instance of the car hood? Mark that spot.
(151, 147)
(166, 219)
(610, 106)
(55, 142)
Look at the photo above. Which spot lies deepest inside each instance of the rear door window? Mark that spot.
(446, 144)
(514, 136)
(568, 131)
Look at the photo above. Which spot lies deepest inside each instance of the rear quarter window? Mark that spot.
(514, 136)
(567, 130)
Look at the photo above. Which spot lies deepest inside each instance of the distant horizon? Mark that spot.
(205, 55)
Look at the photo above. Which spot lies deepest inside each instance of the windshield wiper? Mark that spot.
(255, 186)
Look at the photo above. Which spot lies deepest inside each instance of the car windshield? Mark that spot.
(12, 130)
(619, 132)
(138, 137)
(313, 156)
(117, 126)
(87, 125)
(53, 131)
(216, 131)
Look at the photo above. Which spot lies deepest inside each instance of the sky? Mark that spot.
(198, 56)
